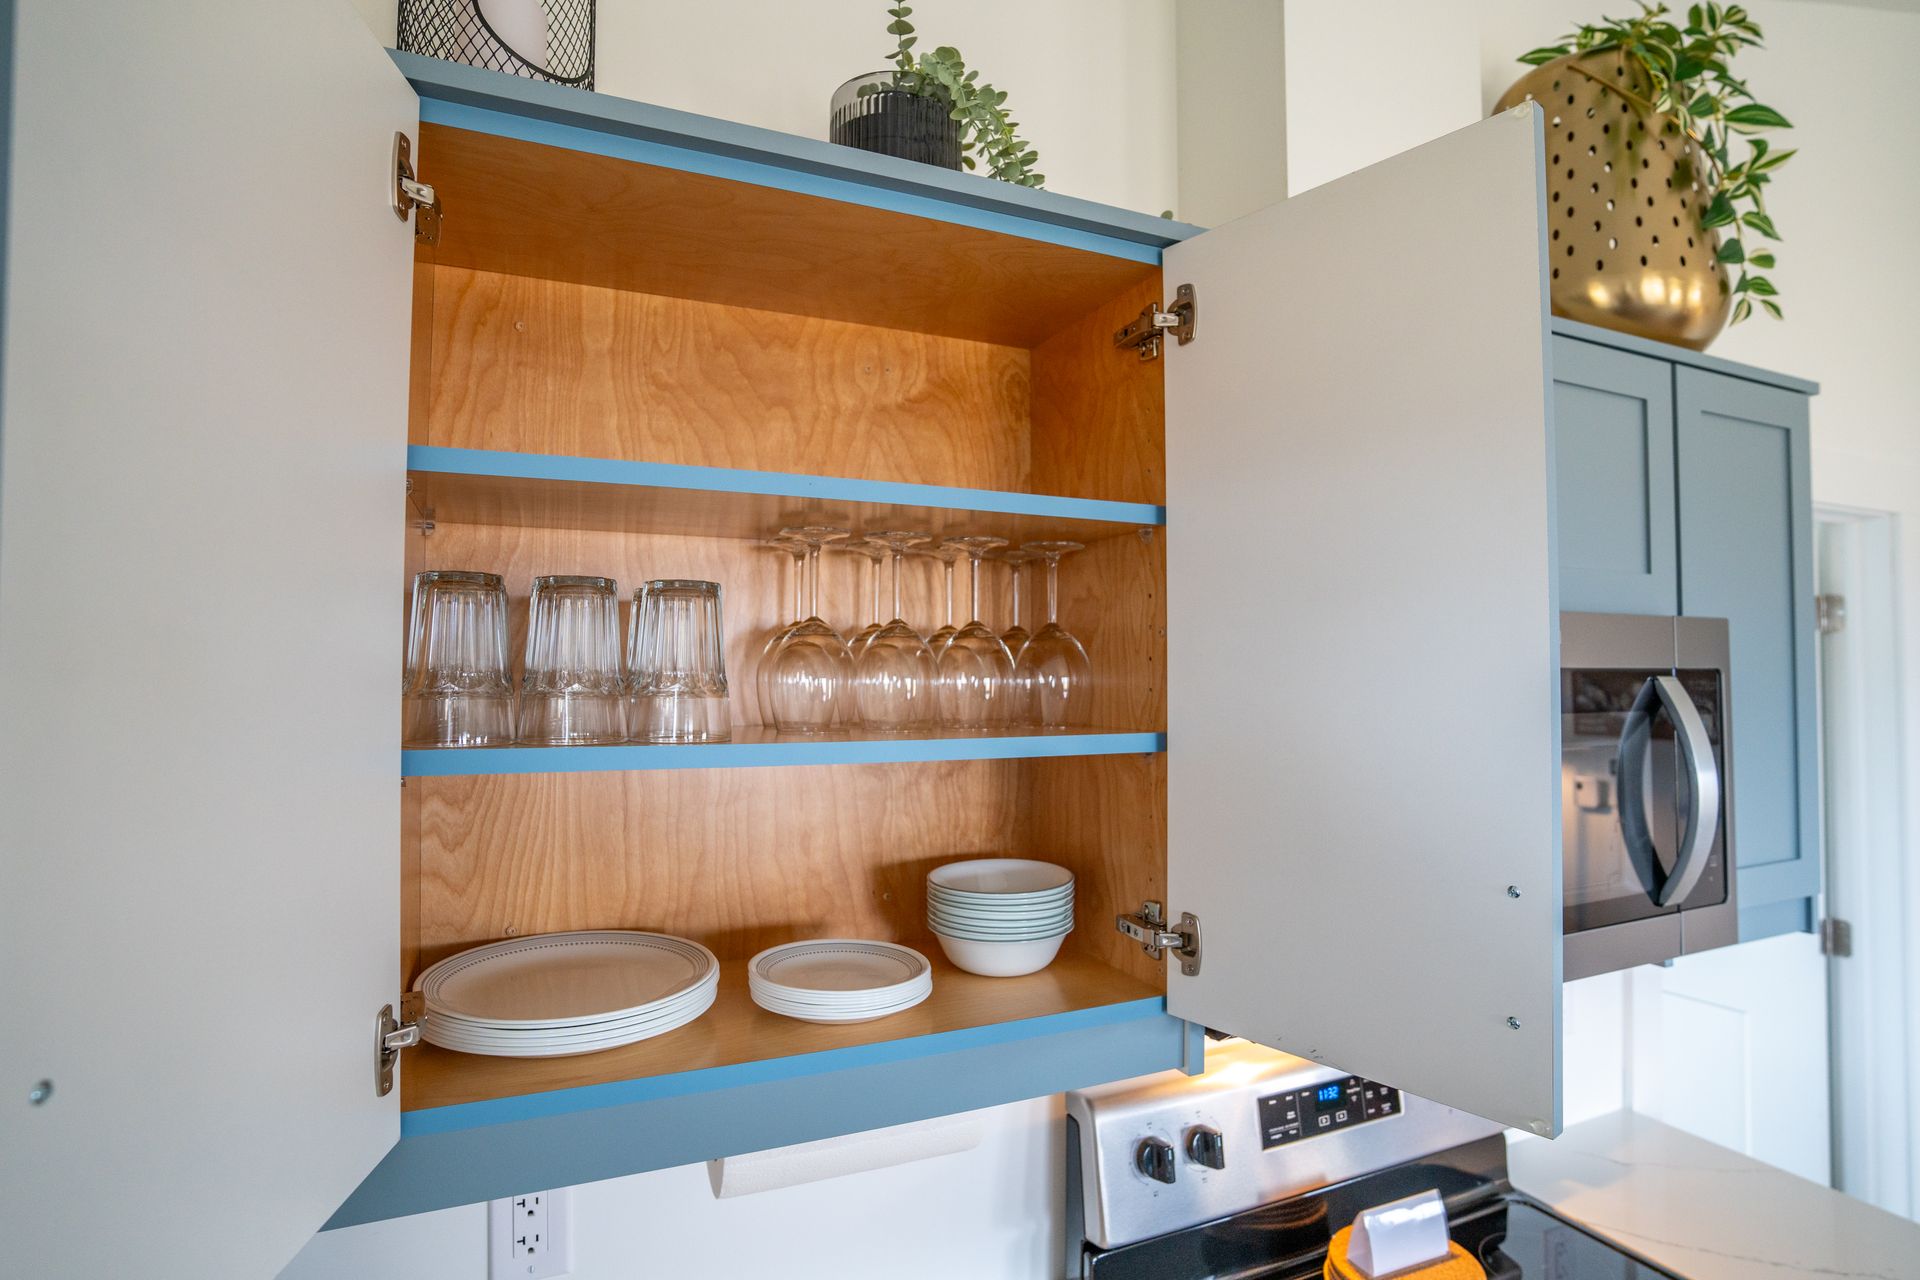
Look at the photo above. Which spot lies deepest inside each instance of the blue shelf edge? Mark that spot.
(533, 111)
(580, 1135)
(453, 763)
(503, 464)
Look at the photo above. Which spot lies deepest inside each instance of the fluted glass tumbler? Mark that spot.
(677, 664)
(573, 691)
(457, 691)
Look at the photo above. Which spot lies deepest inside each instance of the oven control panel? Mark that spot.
(1299, 1114)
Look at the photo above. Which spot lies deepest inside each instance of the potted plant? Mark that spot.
(932, 109)
(1652, 197)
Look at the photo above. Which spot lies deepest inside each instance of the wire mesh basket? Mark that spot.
(539, 39)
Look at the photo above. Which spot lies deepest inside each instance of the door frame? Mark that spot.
(1863, 848)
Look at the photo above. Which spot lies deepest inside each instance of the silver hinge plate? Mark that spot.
(1830, 613)
(1148, 927)
(409, 193)
(1836, 937)
(1146, 331)
(390, 1036)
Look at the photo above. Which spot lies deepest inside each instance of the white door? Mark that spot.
(202, 453)
(1364, 780)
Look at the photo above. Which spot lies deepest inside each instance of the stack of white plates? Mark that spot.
(839, 979)
(556, 994)
(1001, 917)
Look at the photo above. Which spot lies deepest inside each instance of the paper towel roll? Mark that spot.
(832, 1157)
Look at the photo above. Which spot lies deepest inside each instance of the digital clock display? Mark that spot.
(1329, 1094)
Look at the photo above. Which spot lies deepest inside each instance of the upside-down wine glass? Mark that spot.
(874, 554)
(895, 671)
(812, 670)
(763, 670)
(976, 671)
(1016, 636)
(1053, 667)
(947, 554)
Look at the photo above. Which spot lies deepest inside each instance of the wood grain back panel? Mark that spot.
(534, 210)
(1099, 413)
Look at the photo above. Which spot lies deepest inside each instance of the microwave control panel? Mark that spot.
(1299, 1114)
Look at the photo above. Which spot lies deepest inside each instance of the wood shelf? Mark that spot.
(527, 490)
(755, 746)
(737, 1031)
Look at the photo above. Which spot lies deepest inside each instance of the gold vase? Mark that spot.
(1625, 193)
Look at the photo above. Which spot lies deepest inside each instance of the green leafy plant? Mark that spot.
(988, 133)
(1689, 78)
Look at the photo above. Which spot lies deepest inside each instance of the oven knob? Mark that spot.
(1206, 1146)
(1154, 1157)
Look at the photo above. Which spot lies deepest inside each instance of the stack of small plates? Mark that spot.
(1001, 917)
(839, 979)
(556, 994)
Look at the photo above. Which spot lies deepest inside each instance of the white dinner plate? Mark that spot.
(830, 1001)
(446, 1029)
(565, 1048)
(847, 967)
(806, 1014)
(566, 979)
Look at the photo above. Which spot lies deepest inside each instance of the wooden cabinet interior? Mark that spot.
(584, 306)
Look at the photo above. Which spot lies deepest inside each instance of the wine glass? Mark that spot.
(1053, 667)
(976, 671)
(763, 670)
(1016, 636)
(874, 553)
(948, 555)
(895, 671)
(812, 670)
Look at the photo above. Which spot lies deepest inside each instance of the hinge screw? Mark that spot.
(1513, 1024)
(1513, 891)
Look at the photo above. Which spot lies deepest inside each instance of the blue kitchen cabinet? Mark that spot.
(1613, 462)
(1682, 487)
(1746, 555)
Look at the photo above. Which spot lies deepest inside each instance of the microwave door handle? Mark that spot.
(1703, 814)
(1635, 736)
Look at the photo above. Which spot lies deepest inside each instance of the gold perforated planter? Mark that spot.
(1624, 200)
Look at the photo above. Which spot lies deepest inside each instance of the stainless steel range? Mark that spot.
(1248, 1171)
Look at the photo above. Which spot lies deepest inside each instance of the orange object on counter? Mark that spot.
(1457, 1265)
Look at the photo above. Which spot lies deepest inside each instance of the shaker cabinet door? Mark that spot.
(1613, 456)
(202, 456)
(1364, 767)
(1746, 555)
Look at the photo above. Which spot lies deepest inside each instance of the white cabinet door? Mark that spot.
(202, 455)
(1364, 774)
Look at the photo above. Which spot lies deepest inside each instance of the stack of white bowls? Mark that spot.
(839, 979)
(1000, 917)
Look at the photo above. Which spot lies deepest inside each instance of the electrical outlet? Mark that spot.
(530, 1237)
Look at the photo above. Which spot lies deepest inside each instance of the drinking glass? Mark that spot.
(573, 692)
(895, 672)
(1053, 667)
(812, 671)
(873, 554)
(976, 671)
(1016, 636)
(457, 691)
(763, 669)
(676, 654)
(947, 554)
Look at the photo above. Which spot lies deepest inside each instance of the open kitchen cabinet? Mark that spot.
(644, 341)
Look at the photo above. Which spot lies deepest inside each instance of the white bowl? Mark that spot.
(996, 876)
(940, 923)
(1000, 904)
(1000, 959)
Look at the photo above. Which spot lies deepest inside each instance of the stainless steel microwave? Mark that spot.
(1646, 777)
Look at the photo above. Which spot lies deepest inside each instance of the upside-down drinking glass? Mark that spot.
(1053, 667)
(894, 671)
(573, 693)
(457, 691)
(976, 671)
(676, 654)
(812, 671)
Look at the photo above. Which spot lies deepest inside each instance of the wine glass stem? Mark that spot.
(873, 609)
(898, 556)
(973, 588)
(799, 585)
(813, 582)
(949, 568)
(1053, 591)
(1016, 595)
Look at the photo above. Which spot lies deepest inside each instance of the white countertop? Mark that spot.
(1705, 1212)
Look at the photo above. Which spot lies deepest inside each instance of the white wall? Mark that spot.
(1090, 81)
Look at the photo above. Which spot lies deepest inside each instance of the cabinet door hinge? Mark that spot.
(1830, 613)
(390, 1036)
(1148, 927)
(1836, 937)
(1145, 332)
(410, 193)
